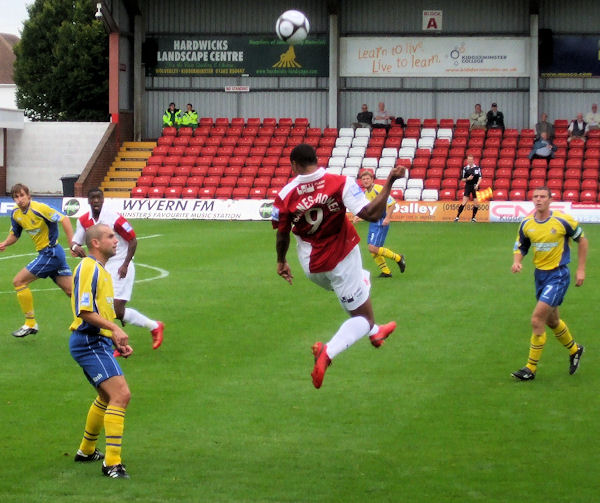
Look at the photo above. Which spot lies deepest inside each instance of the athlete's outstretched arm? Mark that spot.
(68, 228)
(374, 210)
(282, 244)
(582, 250)
(11, 239)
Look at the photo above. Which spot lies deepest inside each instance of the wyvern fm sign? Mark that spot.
(258, 56)
(178, 209)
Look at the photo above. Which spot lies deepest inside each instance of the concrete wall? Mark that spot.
(41, 153)
(8, 97)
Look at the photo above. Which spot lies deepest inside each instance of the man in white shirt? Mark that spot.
(593, 118)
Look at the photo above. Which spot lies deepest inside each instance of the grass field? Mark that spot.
(225, 410)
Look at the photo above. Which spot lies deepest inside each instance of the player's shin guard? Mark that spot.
(25, 299)
(350, 332)
(561, 332)
(93, 426)
(535, 350)
(475, 208)
(380, 261)
(460, 210)
(136, 318)
(114, 423)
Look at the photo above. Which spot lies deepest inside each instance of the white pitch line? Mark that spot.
(6, 257)
(162, 273)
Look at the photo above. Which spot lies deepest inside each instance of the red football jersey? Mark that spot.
(313, 207)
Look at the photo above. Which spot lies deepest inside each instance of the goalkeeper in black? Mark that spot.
(471, 175)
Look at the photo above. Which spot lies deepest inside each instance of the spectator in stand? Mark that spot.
(593, 118)
(172, 116)
(544, 127)
(383, 118)
(495, 118)
(364, 118)
(543, 148)
(578, 128)
(190, 117)
(478, 118)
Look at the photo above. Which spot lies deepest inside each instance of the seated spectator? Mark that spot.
(172, 116)
(543, 148)
(364, 118)
(190, 117)
(578, 128)
(478, 118)
(593, 118)
(544, 127)
(495, 118)
(382, 117)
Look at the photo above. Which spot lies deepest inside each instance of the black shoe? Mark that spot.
(80, 457)
(24, 331)
(523, 374)
(575, 358)
(402, 263)
(115, 471)
(385, 275)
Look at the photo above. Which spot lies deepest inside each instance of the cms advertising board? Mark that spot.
(515, 211)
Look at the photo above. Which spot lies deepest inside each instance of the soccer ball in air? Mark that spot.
(292, 27)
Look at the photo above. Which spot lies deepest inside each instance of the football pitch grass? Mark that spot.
(225, 410)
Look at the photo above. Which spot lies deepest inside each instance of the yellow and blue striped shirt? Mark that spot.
(372, 194)
(40, 221)
(93, 292)
(549, 239)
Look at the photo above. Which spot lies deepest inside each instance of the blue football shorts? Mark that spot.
(94, 353)
(551, 286)
(377, 234)
(50, 263)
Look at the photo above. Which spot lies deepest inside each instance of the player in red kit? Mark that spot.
(313, 206)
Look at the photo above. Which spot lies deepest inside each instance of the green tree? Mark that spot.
(61, 66)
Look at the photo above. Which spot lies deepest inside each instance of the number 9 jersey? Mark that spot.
(313, 207)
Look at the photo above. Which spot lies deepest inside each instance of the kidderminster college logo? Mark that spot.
(71, 207)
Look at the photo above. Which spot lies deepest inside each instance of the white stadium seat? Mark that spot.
(429, 195)
(409, 142)
(337, 162)
(346, 131)
(427, 133)
(445, 133)
(414, 183)
(340, 152)
(334, 170)
(362, 132)
(406, 153)
(351, 172)
(353, 162)
(387, 162)
(389, 152)
(356, 152)
(370, 163)
(343, 141)
(412, 194)
(360, 141)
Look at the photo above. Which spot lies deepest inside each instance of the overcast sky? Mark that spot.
(12, 15)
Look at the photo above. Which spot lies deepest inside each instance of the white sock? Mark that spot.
(136, 318)
(350, 331)
(374, 330)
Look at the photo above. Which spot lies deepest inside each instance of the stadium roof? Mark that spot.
(7, 57)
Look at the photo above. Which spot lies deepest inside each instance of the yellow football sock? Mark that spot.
(114, 423)
(25, 298)
(387, 253)
(93, 426)
(561, 332)
(380, 261)
(536, 346)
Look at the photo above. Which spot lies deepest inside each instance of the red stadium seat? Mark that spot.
(433, 183)
(589, 184)
(430, 123)
(207, 192)
(437, 162)
(161, 181)
(266, 131)
(178, 181)
(229, 141)
(590, 174)
(258, 192)
(447, 195)
(174, 192)
(165, 141)
(536, 183)
(527, 133)
(195, 181)
(490, 152)
(476, 142)
(525, 143)
(238, 121)
(253, 121)
(412, 132)
(519, 183)
(452, 172)
(419, 163)
(205, 121)
(488, 163)
(292, 141)
(539, 163)
(501, 183)
(588, 196)
(508, 153)
(520, 173)
(492, 142)
(571, 184)
(397, 194)
(557, 163)
(570, 196)
(137, 192)
(212, 181)
(331, 132)
(169, 131)
(511, 133)
(500, 195)
(449, 183)
(538, 172)
(554, 184)
(555, 174)
(523, 152)
(301, 122)
(463, 123)
(477, 133)
(240, 192)
(224, 192)
(517, 195)
(199, 170)
(156, 192)
(181, 141)
(418, 172)
(503, 173)
(458, 152)
(522, 162)
(506, 163)
(447, 123)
